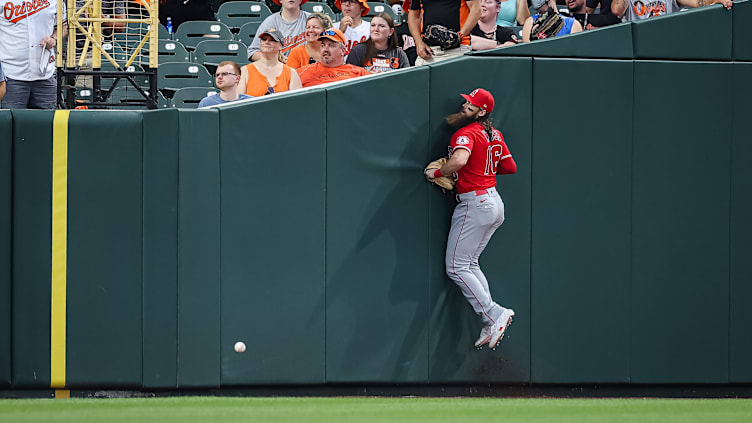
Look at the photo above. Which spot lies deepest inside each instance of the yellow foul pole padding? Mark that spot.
(59, 247)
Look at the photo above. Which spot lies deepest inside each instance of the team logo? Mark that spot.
(463, 140)
(475, 91)
(16, 12)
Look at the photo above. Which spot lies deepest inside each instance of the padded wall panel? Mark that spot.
(160, 248)
(506, 260)
(198, 249)
(677, 36)
(376, 224)
(273, 240)
(742, 30)
(581, 228)
(611, 42)
(6, 175)
(680, 223)
(741, 228)
(104, 249)
(32, 188)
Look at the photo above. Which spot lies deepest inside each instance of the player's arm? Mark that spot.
(700, 3)
(458, 160)
(619, 7)
(472, 18)
(413, 23)
(507, 165)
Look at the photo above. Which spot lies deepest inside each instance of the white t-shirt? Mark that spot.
(356, 35)
(22, 28)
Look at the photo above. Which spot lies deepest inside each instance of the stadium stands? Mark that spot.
(193, 32)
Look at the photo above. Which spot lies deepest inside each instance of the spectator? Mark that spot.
(632, 10)
(332, 66)
(27, 53)
(227, 78)
(380, 53)
(2, 83)
(441, 12)
(356, 30)
(584, 12)
(256, 77)
(488, 34)
(512, 13)
(110, 9)
(290, 20)
(405, 40)
(310, 52)
(571, 26)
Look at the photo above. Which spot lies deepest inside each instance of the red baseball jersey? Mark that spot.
(488, 156)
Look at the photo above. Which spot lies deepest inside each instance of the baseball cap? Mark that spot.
(274, 33)
(481, 98)
(278, 3)
(335, 35)
(364, 3)
(537, 4)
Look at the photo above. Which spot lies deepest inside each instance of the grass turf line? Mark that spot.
(364, 410)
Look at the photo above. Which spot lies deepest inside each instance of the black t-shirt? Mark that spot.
(501, 35)
(442, 12)
(406, 42)
(599, 20)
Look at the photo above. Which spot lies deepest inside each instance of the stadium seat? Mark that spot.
(315, 6)
(141, 28)
(235, 14)
(163, 34)
(247, 32)
(173, 76)
(193, 32)
(189, 97)
(122, 96)
(115, 51)
(378, 7)
(211, 52)
(141, 80)
(172, 51)
(129, 42)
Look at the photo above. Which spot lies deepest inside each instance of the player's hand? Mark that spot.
(48, 42)
(344, 23)
(429, 174)
(423, 50)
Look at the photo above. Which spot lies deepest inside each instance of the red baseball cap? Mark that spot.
(481, 98)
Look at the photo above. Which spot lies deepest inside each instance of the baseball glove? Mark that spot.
(441, 36)
(444, 182)
(548, 24)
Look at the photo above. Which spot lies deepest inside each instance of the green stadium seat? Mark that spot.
(122, 96)
(173, 76)
(235, 14)
(172, 51)
(189, 97)
(141, 28)
(247, 32)
(129, 42)
(141, 80)
(211, 52)
(316, 6)
(193, 32)
(163, 34)
(378, 7)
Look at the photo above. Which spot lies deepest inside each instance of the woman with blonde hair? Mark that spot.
(309, 53)
(268, 75)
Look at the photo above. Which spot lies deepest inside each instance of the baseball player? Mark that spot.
(478, 154)
(27, 53)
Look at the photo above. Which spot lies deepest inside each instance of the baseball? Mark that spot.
(239, 347)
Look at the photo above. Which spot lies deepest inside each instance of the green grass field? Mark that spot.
(333, 410)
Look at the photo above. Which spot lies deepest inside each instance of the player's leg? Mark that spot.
(43, 94)
(474, 265)
(469, 223)
(16, 94)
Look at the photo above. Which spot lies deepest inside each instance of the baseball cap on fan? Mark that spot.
(275, 34)
(537, 4)
(480, 98)
(335, 35)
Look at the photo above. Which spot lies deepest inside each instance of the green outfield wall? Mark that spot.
(138, 247)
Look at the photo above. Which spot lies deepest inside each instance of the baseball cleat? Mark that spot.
(500, 327)
(485, 336)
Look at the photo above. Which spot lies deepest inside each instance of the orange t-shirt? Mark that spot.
(257, 84)
(298, 57)
(317, 73)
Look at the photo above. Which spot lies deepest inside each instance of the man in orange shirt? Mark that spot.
(332, 66)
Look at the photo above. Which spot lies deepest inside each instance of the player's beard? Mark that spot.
(459, 119)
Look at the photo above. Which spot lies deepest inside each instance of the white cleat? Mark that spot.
(500, 327)
(485, 336)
